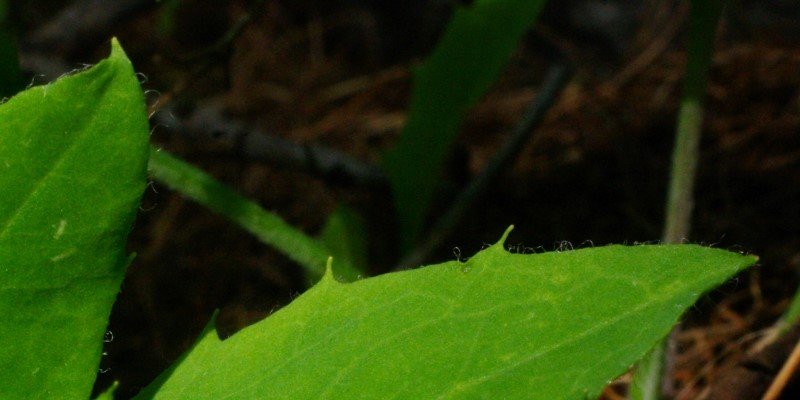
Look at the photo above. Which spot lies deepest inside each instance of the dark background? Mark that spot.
(336, 74)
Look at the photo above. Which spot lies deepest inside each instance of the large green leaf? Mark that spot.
(72, 169)
(500, 326)
(476, 45)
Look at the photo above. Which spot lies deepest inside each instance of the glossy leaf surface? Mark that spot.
(73, 160)
(501, 325)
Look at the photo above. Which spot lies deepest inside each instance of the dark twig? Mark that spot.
(209, 122)
(788, 370)
(45, 52)
(555, 80)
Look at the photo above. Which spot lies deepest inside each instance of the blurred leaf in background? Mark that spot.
(474, 49)
(167, 15)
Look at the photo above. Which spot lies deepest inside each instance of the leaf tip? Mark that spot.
(116, 48)
(117, 52)
(108, 394)
(751, 259)
(211, 326)
(328, 275)
(503, 238)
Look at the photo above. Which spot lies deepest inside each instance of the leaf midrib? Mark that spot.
(70, 148)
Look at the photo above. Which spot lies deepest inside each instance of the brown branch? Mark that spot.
(208, 122)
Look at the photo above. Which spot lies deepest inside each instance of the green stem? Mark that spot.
(266, 226)
(684, 166)
(646, 383)
(702, 26)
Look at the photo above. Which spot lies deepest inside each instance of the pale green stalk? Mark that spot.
(266, 226)
(646, 382)
(684, 167)
(647, 378)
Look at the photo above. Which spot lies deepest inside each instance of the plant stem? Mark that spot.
(684, 166)
(646, 383)
(266, 226)
(647, 386)
(703, 21)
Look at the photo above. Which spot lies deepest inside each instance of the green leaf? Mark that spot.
(505, 326)
(474, 49)
(72, 170)
(345, 235)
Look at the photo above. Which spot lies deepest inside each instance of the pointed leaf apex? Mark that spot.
(117, 52)
(116, 48)
(328, 276)
(503, 238)
(211, 326)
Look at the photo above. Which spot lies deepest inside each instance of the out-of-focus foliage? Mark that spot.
(475, 47)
